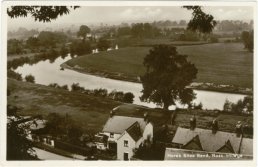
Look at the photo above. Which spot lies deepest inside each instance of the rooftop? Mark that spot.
(210, 142)
(118, 124)
(135, 131)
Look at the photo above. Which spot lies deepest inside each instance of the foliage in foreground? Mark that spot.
(18, 146)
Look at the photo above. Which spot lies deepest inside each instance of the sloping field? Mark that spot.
(220, 63)
(91, 113)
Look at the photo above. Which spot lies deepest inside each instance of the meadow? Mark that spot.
(219, 63)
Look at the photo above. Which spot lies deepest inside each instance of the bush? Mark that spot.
(103, 44)
(30, 78)
(14, 75)
(65, 87)
(100, 92)
(245, 105)
(199, 106)
(76, 87)
(55, 85)
(80, 48)
(128, 97)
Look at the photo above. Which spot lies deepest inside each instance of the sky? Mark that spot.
(116, 15)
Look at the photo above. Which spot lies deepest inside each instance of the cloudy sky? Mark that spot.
(115, 15)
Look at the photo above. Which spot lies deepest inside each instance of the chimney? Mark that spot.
(214, 126)
(238, 129)
(145, 116)
(192, 123)
(112, 113)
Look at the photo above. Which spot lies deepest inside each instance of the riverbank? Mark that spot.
(197, 86)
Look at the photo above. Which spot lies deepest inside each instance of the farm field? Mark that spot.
(219, 63)
(91, 112)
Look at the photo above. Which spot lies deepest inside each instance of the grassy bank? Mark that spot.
(91, 113)
(219, 63)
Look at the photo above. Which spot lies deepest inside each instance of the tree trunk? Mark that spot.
(165, 107)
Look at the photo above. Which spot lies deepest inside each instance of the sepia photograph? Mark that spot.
(122, 82)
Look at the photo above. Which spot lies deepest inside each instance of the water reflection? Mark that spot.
(46, 72)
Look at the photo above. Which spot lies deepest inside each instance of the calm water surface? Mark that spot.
(46, 73)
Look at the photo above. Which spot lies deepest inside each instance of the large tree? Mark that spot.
(167, 76)
(84, 30)
(200, 22)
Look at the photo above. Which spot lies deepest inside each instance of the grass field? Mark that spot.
(91, 113)
(220, 63)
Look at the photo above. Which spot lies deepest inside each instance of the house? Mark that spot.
(117, 125)
(212, 140)
(125, 134)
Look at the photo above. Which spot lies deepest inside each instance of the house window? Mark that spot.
(125, 143)
(111, 135)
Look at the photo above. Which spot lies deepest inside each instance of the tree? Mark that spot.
(14, 75)
(166, 77)
(248, 40)
(227, 106)
(103, 44)
(30, 78)
(200, 21)
(248, 102)
(39, 13)
(32, 43)
(14, 46)
(18, 146)
(84, 30)
(128, 97)
(80, 48)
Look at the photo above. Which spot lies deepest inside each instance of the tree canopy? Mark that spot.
(200, 21)
(39, 13)
(248, 40)
(167, 76)
(84, 30)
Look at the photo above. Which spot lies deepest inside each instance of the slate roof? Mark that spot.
(246, 146)
(135, 131)
(118, 124)
(210, 142)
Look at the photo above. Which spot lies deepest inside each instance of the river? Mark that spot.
(46, 73)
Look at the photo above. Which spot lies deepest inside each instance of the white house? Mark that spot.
(117, 125)
(125, 134)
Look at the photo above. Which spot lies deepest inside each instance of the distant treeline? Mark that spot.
(115, 95)
(50, 55)
(101, 92)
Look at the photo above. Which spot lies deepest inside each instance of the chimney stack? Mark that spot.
(215, 126)
(192, 123)
(112, 113)
(146, 116)
(239, 129)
